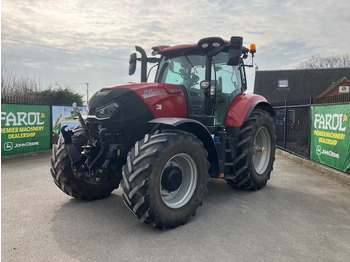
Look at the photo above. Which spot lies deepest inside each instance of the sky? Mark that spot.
(74, 42)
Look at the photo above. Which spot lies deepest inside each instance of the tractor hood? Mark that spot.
(146, 86)
(160, 98)
(125, 110)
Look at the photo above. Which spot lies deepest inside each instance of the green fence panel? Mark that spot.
(24, 128)
(330, 135)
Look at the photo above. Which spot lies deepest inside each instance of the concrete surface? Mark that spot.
(321, 169)
(298, 216)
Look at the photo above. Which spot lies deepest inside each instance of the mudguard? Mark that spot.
(243, 105)
(200, 131)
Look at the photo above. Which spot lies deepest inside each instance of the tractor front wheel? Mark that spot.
(64, 178)
(165, 178)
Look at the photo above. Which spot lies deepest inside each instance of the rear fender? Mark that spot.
(242, 107)
(200, 131)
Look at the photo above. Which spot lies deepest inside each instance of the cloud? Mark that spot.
(285, 32)
(33, 65)
(104, 25)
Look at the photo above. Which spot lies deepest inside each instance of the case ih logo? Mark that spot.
(8, 146)
(150, 93)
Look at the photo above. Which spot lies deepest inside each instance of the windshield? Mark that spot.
(188, 70)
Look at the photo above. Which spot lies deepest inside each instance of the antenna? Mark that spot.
(87, 92)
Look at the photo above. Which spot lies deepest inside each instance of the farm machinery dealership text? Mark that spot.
(21, 125)
(332, 128)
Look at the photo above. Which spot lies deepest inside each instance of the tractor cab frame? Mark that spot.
(211, 71)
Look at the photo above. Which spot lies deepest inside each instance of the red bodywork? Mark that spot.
(168, 100)
(240, 107)
(163, 100)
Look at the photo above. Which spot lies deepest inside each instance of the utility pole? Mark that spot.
(87, 93)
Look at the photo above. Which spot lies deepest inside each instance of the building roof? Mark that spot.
(343, 80)
(297, 84)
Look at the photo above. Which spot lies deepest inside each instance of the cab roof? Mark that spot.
(201, 46)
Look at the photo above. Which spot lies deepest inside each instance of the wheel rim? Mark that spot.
(176, 198)
(261, 150)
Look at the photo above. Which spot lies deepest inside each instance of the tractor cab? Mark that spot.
(210, 72)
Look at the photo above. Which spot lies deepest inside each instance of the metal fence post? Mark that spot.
(309, 140)
(285, 126)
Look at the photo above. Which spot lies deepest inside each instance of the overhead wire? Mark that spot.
(61, 49)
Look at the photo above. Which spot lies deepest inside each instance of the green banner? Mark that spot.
(24, 129)
(330, 135)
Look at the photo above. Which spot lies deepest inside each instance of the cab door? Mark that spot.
(228, 83)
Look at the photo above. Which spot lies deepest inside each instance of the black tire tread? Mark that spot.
(62, 174)
(243, 177)
(136, 175)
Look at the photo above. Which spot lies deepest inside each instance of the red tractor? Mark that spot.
(163, 141)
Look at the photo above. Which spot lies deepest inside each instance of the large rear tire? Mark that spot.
(63, 176)
(255, 152)
(165, 178)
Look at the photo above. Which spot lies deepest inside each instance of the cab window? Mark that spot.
(228, 83)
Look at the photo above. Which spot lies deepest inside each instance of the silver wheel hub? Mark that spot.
(178, 180)
(261, 150)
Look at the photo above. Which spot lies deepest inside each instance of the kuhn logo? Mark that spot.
(8, 146)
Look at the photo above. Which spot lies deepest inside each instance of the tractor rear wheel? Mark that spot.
(255, 152)
(165, 178)
(64, 178)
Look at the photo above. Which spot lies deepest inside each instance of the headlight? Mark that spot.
(107, 111)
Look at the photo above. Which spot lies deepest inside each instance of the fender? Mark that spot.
(200, 131)
(243, 105)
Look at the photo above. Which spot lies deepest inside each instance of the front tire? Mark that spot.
(165, 178)
(255, 152)
(63, 176)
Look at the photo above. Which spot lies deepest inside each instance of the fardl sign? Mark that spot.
(24, 129)
(330, 135)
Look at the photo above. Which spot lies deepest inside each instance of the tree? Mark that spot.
(333, 61)
(60, 96)
(13, 84)
(29, 88)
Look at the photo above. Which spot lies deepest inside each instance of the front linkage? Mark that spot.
(93, 160)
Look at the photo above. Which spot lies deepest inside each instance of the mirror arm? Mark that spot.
(252, 64)
(153, 60)
(143, 63)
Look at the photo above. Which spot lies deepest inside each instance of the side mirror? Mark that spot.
(235, 50)
(132, 64)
